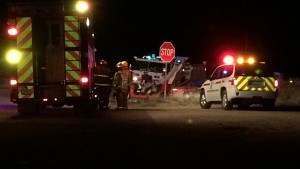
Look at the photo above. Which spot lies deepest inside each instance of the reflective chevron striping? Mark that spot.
(72, 55)
(72, 75)
(71, 27)
(242, 83)
(24, 39)
(73, 90)
(72, 65)
(25, 68)
(25, 92)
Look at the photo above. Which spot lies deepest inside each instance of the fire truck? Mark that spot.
(179, 76)
(53, 51)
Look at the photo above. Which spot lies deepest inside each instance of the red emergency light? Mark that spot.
(12, 31)
(228, 59)
(84, 80)
(13, 82)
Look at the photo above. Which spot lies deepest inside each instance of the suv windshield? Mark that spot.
(258, 69)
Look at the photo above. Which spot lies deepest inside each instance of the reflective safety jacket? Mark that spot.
(121, 80)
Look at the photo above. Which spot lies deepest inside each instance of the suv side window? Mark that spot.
(222, 72)
(217, 73)
(227, 71)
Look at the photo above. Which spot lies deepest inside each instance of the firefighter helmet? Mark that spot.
(103, 62)
(119, 65)
(124, 64)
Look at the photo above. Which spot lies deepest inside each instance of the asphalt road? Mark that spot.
(181, 136)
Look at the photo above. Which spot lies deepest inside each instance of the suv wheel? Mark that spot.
(203, 103)
(226, 104)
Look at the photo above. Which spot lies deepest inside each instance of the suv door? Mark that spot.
(219, 79)
(213, 94)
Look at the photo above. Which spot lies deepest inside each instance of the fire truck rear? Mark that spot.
(53, 50)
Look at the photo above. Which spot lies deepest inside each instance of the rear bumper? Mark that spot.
(252, 97)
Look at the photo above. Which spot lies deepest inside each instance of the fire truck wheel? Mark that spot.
(203, 103)
(226, 104)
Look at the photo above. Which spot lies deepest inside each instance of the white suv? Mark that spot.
(239, 83)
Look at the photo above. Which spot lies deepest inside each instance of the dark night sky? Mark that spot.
(200, 30)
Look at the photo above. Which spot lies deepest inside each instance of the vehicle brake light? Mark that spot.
(228, 59)
(234, 81)
(276, 83)
(13, 82)
(84, 80)
(12, 31)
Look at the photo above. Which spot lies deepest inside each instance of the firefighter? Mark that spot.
(121, 82)
(103, 84)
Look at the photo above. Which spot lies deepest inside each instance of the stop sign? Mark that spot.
(167, 52)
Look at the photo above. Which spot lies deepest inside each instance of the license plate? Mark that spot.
(256, 84)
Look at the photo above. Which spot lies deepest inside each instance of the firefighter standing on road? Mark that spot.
(121, 82)
(103, 84)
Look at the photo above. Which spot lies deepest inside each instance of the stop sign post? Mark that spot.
(167, 52)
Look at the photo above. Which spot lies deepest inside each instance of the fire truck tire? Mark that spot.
(203, 102)
(226, 104)
(27, 108)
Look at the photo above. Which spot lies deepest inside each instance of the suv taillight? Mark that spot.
(234, 81)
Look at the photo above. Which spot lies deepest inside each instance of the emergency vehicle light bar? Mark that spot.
(228, 59)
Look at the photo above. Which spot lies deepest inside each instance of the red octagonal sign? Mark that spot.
(167, 52)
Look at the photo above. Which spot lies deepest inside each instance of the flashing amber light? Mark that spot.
(13, 82)
(251, 60)
(228, 59)
(84, 80)
(82, 6)
(12, 31)
(240, 60)
(13, 56)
